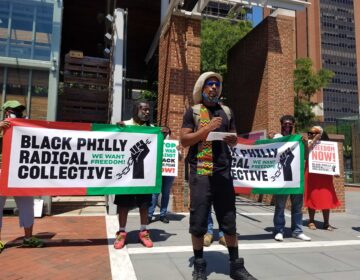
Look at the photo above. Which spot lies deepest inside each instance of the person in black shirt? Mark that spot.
(210, 181)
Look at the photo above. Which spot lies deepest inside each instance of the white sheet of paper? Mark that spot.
(213, 136)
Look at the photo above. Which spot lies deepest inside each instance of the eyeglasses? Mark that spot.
(210, 84)
(310, 133)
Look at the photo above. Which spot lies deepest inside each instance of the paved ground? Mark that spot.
(79, 247)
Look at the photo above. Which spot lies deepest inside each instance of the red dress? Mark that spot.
(319, 191)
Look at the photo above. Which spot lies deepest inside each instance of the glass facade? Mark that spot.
(339, 55)
(26, 29)
(27, 34)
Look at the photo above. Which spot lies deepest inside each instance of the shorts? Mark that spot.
(217, 190)
(133, 200)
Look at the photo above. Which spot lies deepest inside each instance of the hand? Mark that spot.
(4, 124)
(317, 138)
(231, 140)
(214, 123)
(121, 123)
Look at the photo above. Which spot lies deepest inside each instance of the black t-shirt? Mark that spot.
(220, 150)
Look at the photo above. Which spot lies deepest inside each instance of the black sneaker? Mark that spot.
(199, 272)
(238, 271)
(164, 220)
(150, 220)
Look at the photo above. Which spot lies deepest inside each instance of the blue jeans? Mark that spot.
(296, 213)
(210, 229)
(167, 182)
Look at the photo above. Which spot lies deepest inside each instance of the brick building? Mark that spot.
(330, 37)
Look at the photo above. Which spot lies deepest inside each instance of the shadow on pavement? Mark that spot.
(256, 237)
(217, 262)
(356, 228)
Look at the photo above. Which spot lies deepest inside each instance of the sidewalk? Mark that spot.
(80, 247)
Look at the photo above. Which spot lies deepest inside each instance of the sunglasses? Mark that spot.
(310, 133)
(210, 84)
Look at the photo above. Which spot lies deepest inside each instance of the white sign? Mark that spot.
(324, 158)
(170, 158)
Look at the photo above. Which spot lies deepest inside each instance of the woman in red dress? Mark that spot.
(319, 189)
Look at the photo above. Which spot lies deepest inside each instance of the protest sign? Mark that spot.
(170, 158)
(270, 166)
(324, 158)
(55, 158)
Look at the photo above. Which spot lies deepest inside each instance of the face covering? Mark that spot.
(214, 99)
(13, 114)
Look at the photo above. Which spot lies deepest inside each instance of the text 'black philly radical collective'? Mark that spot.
(240, 168)
(64, 162)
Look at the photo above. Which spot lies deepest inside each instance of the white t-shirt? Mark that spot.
(132, 122)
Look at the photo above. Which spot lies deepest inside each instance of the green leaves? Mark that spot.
(306, 83)
(217, 37)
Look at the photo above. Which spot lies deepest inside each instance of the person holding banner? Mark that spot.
(167, 182)
(287, 125)
(210, 180)
(141, 117)
(25, 204)
(319, 188)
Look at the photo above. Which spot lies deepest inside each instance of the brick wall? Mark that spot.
(260, 79)
(260, 83)
(179, 68)
(339, 181)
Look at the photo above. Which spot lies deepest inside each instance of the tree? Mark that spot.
(217, 37)
(306, 83)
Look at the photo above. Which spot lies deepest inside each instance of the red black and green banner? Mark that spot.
(59, 158)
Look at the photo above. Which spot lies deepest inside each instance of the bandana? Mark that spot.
(204, 155)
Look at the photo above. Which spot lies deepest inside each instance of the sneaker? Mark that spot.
(165, 220)
(150, 220)
(2, 246)
(32, 242)
(199, 272)
(222, 241)
(120, 238)
(208, 239)
(144, 238)
(238, 270)
(279, 237)
(301, 236)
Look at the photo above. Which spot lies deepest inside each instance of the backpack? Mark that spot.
(196, 113)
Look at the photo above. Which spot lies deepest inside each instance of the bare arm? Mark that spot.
(312, 143)
(189, 138)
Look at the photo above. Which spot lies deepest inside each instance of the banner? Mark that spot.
(324, 158)
(274, 166)
(170, 158)
(56, 158)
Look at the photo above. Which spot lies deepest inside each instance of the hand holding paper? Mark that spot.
(219, 136)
